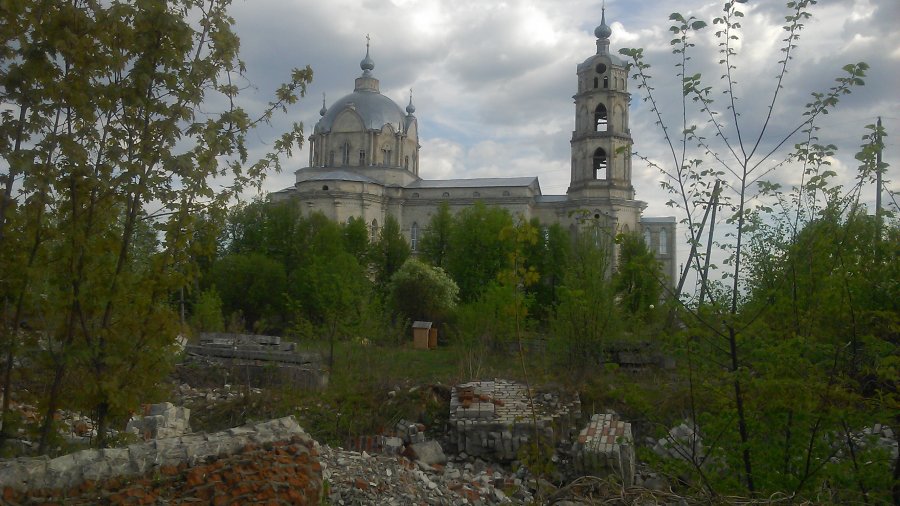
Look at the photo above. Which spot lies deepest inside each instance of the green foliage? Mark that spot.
(207, 313)
(586, 319)
(252, 284)
(115, 111)
(638, 279)
(435, 242)
(422, 292)
(389, 252)
(476, 253)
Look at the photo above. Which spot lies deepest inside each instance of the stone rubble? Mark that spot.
(493, 419)
(358, 478)
(160, 421)
(606, 446)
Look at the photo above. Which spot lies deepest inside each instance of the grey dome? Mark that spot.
(603, 31)
(375, 109)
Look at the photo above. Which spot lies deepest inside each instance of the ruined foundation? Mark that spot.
(493, 419)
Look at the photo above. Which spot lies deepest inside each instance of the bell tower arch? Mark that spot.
(601, 142)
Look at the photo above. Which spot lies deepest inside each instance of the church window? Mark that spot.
(414, 236)
(596, 82)
(374, 230)
(600, 164)
(345, 154)
(362, 157)
(325, 187)
(647, 237)
(386, 156)
(601, 118)
(605, 82)
(663, 242)
(601, 68)
(446, 194)
(406, 162)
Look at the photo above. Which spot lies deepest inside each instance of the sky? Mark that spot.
(492, 81)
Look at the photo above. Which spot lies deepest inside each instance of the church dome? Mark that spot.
(374, 109)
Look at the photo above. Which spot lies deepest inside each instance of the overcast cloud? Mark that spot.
(493, 80)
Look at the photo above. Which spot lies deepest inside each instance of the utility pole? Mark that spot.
(879, 148)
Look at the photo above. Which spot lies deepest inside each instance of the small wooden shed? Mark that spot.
(424, 335)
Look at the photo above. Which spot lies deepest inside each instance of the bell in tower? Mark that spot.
(601, 142)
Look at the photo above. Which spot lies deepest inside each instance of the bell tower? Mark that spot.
(601, 142)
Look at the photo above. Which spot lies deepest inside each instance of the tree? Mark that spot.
(389, 252)
(720, 341)
(422, 292)
(436, 239)
(638, 279)
(113, 114)
(586, 318)
(254, 285)
(476, 252)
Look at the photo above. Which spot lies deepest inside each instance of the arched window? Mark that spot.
(374, 230)
(406, 162)
(600, 164)
(601, 118)
(605, 81)
(413, 236)
(663, 242)
(362, 157)
(446, 194)
(596, 82)
(345, 154)
(647, 237)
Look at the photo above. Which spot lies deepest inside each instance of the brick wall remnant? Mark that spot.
(493, 419)
(605, 447)
(273, 461)
(160, 421)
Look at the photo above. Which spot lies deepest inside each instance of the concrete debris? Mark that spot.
(160, 421)
(682, 442)
(606, 446)
(395, 480)
(493, 419)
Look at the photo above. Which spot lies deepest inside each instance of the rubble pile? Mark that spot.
(606, 446)
(372, 479)
(160, 421)
(493, 419)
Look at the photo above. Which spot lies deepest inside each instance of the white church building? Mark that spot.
(364, 162)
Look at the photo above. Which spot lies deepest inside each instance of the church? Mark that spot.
(364, 162)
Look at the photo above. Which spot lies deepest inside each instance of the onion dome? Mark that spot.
(603, 31)
(367, 64)
(324, 109)
(410, 109)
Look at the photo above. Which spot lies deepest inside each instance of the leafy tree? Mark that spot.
(638, 278)
(586, 318)
(422, 292)
(732, 162)
(254, 285)
(435, 241)
(207, 314)
(477, 252)
(113, 113)
(389, 252)
(356, 238)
